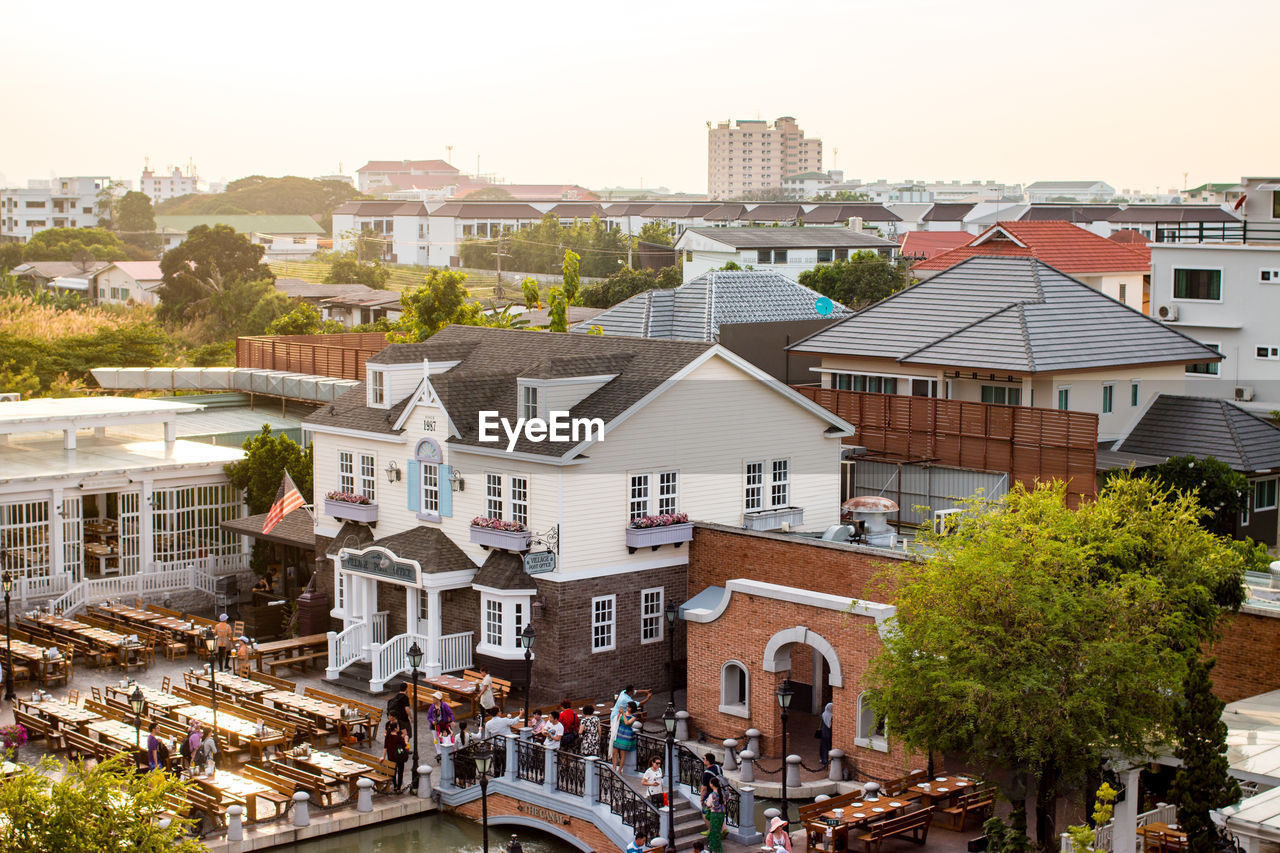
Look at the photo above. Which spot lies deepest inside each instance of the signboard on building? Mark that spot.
(538, 562)
(381, 563)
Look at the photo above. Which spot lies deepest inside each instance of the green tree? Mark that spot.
(843, 195)
(304, 319)
(731, 266)
(266, 459)
(865, 278)
(439, 302)
(346, 269)
(626, 283)
(540, 247)
(1223, 493)
(65, 244)
(259, 194)
(10, 257)
(205, 265)
(658, 233)
(135, 220)
(1203, 782)
(1040, 639)
(572, 280)
(107, 808)
(559, 313)
(532, 297)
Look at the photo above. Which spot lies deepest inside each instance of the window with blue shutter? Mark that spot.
(446, 490)
(415, 493)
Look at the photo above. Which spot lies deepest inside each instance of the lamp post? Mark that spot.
(526, 640)
(7, 581)
(784, 702)
(139, 704)
(211, 645)
(484, 760)
(672, 611)
(415, 660)
(669, 720)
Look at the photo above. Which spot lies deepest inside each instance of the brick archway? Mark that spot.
(777, 652)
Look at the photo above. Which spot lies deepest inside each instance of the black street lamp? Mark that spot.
(484, 760)
(672, 611)
(139, 704)
(7, 580)
(784, 702)
(415, 660)
(669, 720)
(526, 640)
(211, 646)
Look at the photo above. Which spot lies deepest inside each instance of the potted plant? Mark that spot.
(650, 531)
(350, 506)
(13, 737)
(496, 533)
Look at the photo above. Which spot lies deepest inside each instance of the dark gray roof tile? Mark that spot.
(1174, 425)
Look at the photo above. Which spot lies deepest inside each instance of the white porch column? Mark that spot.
(146, 527)
(170, 436)
(433, 665)
(1125, 821)
(57, 553)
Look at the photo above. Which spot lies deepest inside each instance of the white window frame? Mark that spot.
(377, 381)
(599, 626)
(518, 498)
(493, 495)
(1173, 285)
(1259, 507)
(652, 492)
(530, 401)
(339, 591)
(735, 709)
(776, 483)
(649, 618)
(867, 734)
(492, 607)
(1215, 367)
(368, 476)
(1269, 275)
(667, 499)
(639, 493)
(753, 486)
(1064, 396)
(347, 471)
(1273, 353)
(1108, 397)
(512, 608)
(430, 498)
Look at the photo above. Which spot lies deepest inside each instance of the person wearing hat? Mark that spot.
(223, 632)
(242, 658)
(440, 720)
(777, 838)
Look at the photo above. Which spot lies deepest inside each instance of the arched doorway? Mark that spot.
(812, 665)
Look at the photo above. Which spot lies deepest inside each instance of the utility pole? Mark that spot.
(497, 290)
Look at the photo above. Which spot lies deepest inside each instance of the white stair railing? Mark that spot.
(456, 651)
(1104, 836)
(392, 659)
(346, 648)
(379, 627)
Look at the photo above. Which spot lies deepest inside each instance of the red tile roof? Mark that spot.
(928, 244)
(1067, 247)
(406, 165)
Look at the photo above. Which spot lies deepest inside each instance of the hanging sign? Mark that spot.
(538, 562)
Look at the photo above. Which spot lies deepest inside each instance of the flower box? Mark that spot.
(652, 537)
(774, 519)
(503, 540)
(364, 513)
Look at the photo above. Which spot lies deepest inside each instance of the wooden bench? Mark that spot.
(86, 747)
(321, 788)
(275, 681)
(977, 804)
(280, 790)
(292, 662)
(381, 771)
(811, 814)
(914, 825)
(39, 728)
(164, 611)
(896, 786)
(201, 806)
(346, 728)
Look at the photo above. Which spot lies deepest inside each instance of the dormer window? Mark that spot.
(377, 388)
(528, 402)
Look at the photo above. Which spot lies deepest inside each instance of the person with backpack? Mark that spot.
(710, 770)
(398, 706)
(190, 744)
(395, 748)
(569, 720)
(154, 746)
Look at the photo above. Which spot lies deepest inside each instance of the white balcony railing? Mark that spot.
(346, 648)
(392, 658)
(456, 651)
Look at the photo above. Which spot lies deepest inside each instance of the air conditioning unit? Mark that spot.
(1244, 393)
(945, 520)
(1167, 312)
(10, 397)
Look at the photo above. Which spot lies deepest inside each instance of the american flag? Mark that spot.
(287, 500)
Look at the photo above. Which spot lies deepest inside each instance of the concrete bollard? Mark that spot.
(512, 767)
(235, 823)
(835, 765)
(364, 800)
(446, 767)
(658, 842)
(301, 809)
(748, 765)
(730, 754)
(424, 780)
(549, 768)
(589, 779)
(682, 725)
(526, 733)
(793, 771)
(770, 814)
(871, 791)
(821, 797)
(753, 741)
(747, 829)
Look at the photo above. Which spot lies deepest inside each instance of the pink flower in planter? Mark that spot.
(661, 520)
(498, 524)
(348, 498)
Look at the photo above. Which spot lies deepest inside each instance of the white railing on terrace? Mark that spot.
(346, 648)
(179, 576)
(1105, 834)
(379, 627)
(41, 587)
(392, 658)
(456, 651)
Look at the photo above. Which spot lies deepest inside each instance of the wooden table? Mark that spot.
(155, 698)
(328, 764)
(118, 734)
(131, 614)
(282, 651)
(941, 789)
(236, 729)
(101, 636)
(468, 691)
(61, 712)
(853, 816)
(1162, 836)
(43, 668)
(104, 554)
(323, 712)
(235, 684)
(231, 789)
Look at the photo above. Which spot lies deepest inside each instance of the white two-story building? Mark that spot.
(789, 251)
(428, 533)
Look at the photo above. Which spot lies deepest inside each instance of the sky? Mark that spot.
(596, 93)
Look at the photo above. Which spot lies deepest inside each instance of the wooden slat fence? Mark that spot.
(340, 356)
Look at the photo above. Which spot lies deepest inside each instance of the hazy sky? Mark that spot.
(607, 93)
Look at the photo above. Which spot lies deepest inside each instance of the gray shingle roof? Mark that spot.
(830, 213)
(1069, 212)
(696, 310)
(943, 212)
(349, 412)
(1007, 314)
(1173, 213)
(503, 570)
(434, 551)
(793, 238)
(1175, 425)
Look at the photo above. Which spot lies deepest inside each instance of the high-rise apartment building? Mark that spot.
(75, 202)
(745, 157)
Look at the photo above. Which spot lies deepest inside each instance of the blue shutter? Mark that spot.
(415, 491)
(446, 491)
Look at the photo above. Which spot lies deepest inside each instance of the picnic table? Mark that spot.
(852, 816)
(328, 764)
(327, 713)
(291, 652)
(237, 729)
(468, 691)
(100, 636)
(43, 668)
(236, 684)
(131, 614)
(232, 788)
(1162, 837)
(941, 789)
(118, 734)
(155, 698)
(63, 713)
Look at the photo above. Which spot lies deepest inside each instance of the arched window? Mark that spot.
(425, 488)
(871, 727)
(735, 689)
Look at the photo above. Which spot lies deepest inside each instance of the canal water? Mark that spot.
(435, 833)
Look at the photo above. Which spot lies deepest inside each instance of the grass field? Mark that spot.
(480, 284)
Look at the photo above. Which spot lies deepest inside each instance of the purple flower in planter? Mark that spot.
(348, 498)
(498, 524)
(661, 520)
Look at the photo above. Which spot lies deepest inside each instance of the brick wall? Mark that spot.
(742, 632)
(501, 805)
(1248, 663)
